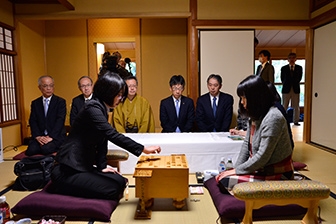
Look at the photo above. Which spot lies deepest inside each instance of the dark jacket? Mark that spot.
(291, 80)
(87, 141)
(205, 119)
(76, 105)
(168, 116)
(53, 122)
(267, 74)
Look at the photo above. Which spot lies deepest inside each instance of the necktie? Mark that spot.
(177, 107)
(177, 113)
(292, 68)
(46, 106)
(214, 106)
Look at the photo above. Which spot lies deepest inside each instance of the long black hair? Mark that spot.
(259, 97)
(108, 86)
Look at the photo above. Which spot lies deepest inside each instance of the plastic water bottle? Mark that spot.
(229, 164)
(4, 210)
(221, 166)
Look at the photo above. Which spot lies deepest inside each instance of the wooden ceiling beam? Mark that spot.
(65, 3)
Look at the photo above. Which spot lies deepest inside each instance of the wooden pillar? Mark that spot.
(193, 74)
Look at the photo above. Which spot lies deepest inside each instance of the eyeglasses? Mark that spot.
(45, 86)
(213, 85)
(132, 86)
(179, 88)
(121, 98)
(85, 86)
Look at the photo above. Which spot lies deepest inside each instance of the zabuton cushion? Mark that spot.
(231, 208)
(44, 203)
(22, 155)
(299, 166)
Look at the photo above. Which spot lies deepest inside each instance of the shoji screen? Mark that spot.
(229, 53)
(324, 83)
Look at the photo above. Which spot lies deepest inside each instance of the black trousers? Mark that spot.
(35, 148)
(93, 184)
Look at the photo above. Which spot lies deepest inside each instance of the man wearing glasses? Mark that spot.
(177, 112)
(85, 85)
(46, 120)
(135, 114)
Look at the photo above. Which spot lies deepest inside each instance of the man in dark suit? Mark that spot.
(46, 120)
(214, 109)
(85, 85)
(177, 112)
(291, 76)
(265, 70)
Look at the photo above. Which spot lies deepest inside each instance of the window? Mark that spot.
(277, 64)
(8, 102)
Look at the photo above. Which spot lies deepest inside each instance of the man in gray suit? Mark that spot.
(291, 76)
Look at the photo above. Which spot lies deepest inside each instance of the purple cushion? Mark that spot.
(231, 208)
(44, 203)
(22, 155)
(299, 165)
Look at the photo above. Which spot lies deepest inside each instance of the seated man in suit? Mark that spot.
(135, 114)
(85, 85)
(177, 112)
(214, 109)
(265, 70)
(46, 120)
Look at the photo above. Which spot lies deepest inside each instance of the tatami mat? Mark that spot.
(321, 166)
(13, 151)
(7, 175)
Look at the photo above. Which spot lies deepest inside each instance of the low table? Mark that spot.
(160, 177)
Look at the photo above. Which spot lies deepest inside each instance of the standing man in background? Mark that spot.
(265, 70)
(85, 85)
(291, 76)
(47, 117)
(214, 109)
(177, 112)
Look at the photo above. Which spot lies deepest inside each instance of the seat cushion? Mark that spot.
(281, 189)
(299, 166)
(22, 155)
(117, 154)
(44, 203)
(231, 208)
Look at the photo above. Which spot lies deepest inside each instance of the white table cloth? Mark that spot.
(203, 150)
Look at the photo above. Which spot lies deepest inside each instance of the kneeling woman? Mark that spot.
(266, 153)
(82, 168)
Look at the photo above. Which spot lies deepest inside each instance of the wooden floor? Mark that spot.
(321, 167)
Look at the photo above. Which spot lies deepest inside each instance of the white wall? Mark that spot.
(323, 92)
(1, 147)
(229, 53)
